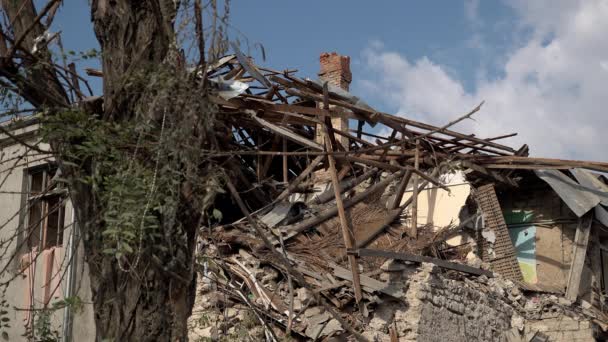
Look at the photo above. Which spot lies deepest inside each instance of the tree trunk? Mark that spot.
(154, 302)
(149, 299)
(135, 37)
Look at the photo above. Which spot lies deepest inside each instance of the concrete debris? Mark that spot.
(517, 322)
(489, 235)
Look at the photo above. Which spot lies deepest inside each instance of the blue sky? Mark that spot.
(541, 66)
(295, 33)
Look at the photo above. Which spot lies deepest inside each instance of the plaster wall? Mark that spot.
(36, 279)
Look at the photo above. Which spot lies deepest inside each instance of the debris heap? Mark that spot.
(319, 234)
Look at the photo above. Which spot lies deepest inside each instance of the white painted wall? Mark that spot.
(28, 283)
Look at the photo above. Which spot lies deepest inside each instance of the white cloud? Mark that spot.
(471, 11)
(553, 92)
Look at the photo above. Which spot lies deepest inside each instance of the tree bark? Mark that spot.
(153, 304)
(135, 36)
(152, 300)
(40, 85)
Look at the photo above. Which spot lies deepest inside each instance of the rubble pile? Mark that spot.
(319, 237)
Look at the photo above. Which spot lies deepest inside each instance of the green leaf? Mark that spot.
(127, 248)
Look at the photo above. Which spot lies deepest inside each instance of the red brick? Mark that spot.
(335, 69)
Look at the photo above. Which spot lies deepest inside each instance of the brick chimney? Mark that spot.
(335, 70)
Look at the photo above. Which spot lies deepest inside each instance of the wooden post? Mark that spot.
(581, 240)
(347, 233)
(401, 189)
(285, 169)
(595, 257)
(309, 169)
(414, 230)
(258, 164)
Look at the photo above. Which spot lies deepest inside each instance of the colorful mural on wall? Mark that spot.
(523, 236)
(524, 240)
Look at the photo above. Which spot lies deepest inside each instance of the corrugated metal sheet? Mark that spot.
(588, 193)
(601, 214)
(576, 196)
(591, 184)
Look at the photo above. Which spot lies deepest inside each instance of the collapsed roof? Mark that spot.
(315, 193)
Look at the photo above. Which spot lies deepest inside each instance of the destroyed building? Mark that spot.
(425, 234)
(334, 231)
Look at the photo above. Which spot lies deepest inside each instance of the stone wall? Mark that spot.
(442, 309)
(452, 312)
(438, 308)
(561, 329)
(434, 306)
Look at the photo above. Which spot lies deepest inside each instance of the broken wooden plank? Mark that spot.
(391, 167)
(401, 189)
(457, 147)
(414, 228)
(352, 137)
(497, 176)
(517, 162)
(360, 125)
(452, 123)
(346, 185)
(581, 240)
(284, 163)
(395, 122)
(309, 169)
(247, 65)
(290, 108)
(364, 252)
(370, 284)
(347, 233)
(331, 212)
(287, 133)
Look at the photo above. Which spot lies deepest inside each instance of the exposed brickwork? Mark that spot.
(453, 312)
(335, 69)
(435, 308)
(503, 259)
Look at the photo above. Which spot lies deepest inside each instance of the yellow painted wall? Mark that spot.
(438, 207)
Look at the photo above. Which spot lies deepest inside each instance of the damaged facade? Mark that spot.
(335, 232)
(43, 258)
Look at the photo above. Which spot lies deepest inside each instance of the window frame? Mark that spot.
(48, 193)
